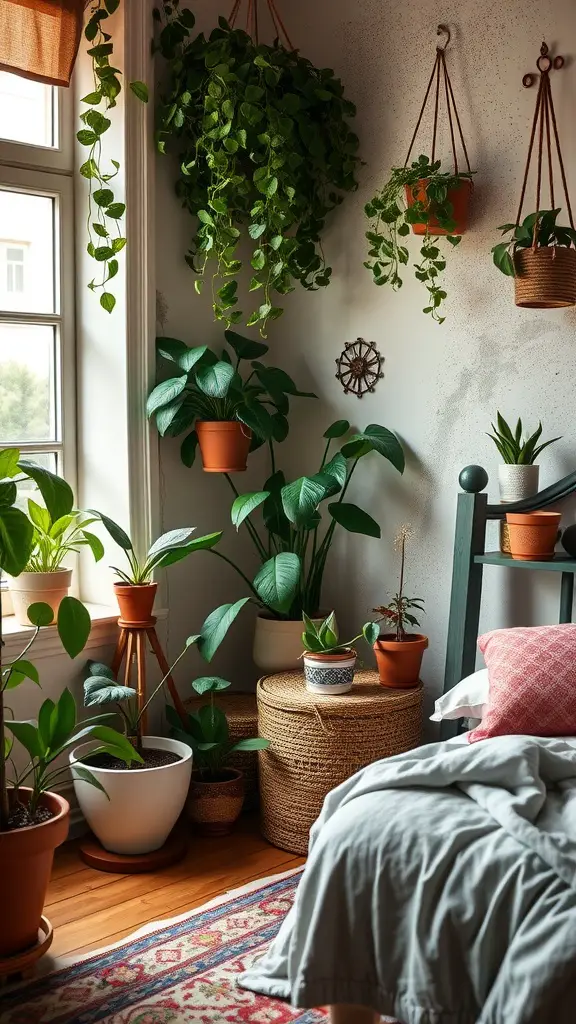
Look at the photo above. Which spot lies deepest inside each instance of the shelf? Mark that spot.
(560, 563)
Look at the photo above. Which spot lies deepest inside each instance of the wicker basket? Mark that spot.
(545, 277)
(319, 741)
(242, 713)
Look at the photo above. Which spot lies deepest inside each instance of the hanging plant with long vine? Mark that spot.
(265, 153)
(106, 237)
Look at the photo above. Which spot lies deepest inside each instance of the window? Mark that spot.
(37, 365)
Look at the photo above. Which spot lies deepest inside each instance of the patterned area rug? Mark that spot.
(181, 972)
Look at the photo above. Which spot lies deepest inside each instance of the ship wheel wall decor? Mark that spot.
(359, 367)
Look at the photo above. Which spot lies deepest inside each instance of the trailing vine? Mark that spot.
(105, 235)
(265, 153)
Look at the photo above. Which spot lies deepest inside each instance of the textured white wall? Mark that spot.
(442, 384)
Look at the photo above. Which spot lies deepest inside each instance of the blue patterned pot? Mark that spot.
(330, 673)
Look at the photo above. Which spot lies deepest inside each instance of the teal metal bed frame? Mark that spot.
(470, 557)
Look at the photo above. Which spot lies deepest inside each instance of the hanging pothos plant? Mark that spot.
(105, 235)
(265, 153)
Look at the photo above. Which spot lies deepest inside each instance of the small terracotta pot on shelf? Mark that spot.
(213, 807)
(460, 199)
(533, 535)
(224, 445)
(330, 673)
(399, 661)
(135, 602)
(545, 277)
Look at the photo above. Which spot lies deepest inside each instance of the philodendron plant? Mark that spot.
(538, 229)
(56, 729)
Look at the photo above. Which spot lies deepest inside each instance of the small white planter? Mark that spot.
(329, 673)
(517, 482)
(144, 803)
(278, 643)
(31, 587)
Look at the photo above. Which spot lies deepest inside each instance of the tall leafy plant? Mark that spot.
(106, 237)
(265, 153)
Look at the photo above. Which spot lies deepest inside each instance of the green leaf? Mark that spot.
(210, 684)
(205, 217)
(74, 625)
(215, 381)
(277, 582)
(170, 540)
(107, 301)
(140, 89)
(301, 498)
(375, 439)
(8, 493)
(40, 614)
(165, 392)
(27, 734)
(245, 504)
(9, 461)
(115, 531)
(199, 544)
(101, 690)
(337, 429)
(354, 519)
(254, 743)
(245, 348)
(16, 540)
(171, 348)
(216, 627)
(371, 632)
(116, 210)
(258, 419)
(20, 670)
(57, 494)
(103, 196)
(84, 774)
(188, 449)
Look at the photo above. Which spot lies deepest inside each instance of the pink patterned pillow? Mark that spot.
(532, 676)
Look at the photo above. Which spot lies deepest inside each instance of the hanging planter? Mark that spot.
(540, 254)
(422, 197)
(265, 153)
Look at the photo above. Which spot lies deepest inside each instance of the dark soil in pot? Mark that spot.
(152, 759)
(20, 816)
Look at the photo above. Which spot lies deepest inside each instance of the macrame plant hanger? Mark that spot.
(545, 275)
(253, 22)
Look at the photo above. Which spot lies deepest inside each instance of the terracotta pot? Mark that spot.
(224, 446)
(329, 673)
(460, 199)
(30, 587)
(26, 856)
(533, 535)
(278, 642)
(545, 277)
(213, 807)
(135, 602)
(399, 661)
(515, 483)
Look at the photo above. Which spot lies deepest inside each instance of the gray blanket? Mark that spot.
(440, 889)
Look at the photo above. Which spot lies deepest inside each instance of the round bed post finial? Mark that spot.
(473, 479)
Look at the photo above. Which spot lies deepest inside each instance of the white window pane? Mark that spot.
(26, 252)
(27, 385)
(26, 111)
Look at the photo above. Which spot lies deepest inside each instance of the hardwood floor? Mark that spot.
(90, 908)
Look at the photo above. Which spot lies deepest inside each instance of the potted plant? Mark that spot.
(265, 153)
(216, 791)
(429, 201)
(136, 591)
(45, 578)
(399, 654)
(328, 664)
(541, 257)
(533, 535)
(33, 818)
(145, 801)
(225, 412)
(518, 475)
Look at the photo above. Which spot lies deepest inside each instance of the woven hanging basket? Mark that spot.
(545, 277)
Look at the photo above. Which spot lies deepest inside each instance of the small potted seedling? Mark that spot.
(216, 791)
(399, 653)
(328, 664)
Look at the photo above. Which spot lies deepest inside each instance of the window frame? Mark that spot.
(58, 158)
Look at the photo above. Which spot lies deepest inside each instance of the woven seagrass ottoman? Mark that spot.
(316, 742)
(242, 714)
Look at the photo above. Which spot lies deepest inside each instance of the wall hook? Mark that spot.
(443, 30)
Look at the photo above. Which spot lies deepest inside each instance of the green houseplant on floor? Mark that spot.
(33, 818)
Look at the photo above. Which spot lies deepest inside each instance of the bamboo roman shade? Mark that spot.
(39, 39)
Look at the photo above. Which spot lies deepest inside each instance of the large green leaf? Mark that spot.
(188, 449)
(301, 498)
(198, 544)
(84, 774)
(276, 380)
(116, 532)
(16, 540)
(277, 582)
(245, 504)
(27, 734)
(102, 690)
(258, 419)
(171, 348)
(115, 743)
(57, 494)
(251, 743)
(74, 625)
(20, 670)
(214, 724)
(8, 493)
(333, 476)
(215, 381)
(216, 627)
(375, 439)
(40, 516)
(245, 348)
(210, 684)
(275, 519)
(191, 357)
(61, 720)
(354, 519)
(40, 613)
(173, 539)
(165, 393)
(9, 462)
(337, 429)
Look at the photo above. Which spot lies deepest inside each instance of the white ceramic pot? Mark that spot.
(31, 587)
(144, 803)
(517, 482)
(330, 673)
(278, 643)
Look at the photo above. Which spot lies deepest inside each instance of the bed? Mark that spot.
(441, 883)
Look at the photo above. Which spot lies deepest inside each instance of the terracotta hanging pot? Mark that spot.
(399, 661)
(214, 806)
(135, 602)
(545, 277)
(458, 196)
(533, 535)
(224, 446)
(26, 856)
